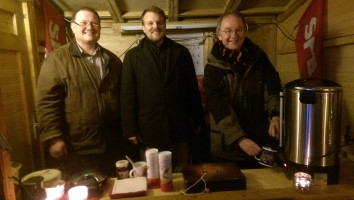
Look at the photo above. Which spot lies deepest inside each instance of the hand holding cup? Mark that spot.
(267, 157)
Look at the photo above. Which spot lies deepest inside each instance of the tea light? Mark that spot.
(54, 190)
(302, 181)
(78, 193)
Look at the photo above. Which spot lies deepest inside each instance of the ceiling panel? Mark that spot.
(126, 11)
(187, 5)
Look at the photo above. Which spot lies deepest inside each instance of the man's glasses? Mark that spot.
(229, 32)
(84, 23)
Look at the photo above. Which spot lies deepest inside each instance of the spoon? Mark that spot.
(130, 160)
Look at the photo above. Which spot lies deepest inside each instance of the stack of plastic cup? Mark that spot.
(153, 174)
(165, 164)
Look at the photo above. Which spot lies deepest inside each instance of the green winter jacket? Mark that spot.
(241, 96)
(75, 104)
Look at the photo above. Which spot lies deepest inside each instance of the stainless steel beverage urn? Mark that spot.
(312, 126)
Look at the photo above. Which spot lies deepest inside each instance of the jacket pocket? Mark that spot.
(233, 147)
(216, 139)
(218, 146)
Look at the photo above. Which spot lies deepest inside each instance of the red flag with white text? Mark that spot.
(309, 41)
(55, 29)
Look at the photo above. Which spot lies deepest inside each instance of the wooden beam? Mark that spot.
(136, 15)
(115, 11)
(5, 161)
(61, 4)
(340, 41)
(263, 10)
(257, 20)
(6, 174)
(232, 5)
(173, 10)
(202, 13)
(289, 9)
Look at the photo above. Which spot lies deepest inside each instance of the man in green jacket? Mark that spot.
(161, 103)
(77, 102)
(242, 94)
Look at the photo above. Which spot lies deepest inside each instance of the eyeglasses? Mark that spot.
(229, 32)
(85, 24)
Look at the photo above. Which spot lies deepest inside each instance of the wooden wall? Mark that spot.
(118, 43)
(16, 83)
(337, 54)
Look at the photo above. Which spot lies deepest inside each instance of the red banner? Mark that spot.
(309, 41)
(55, 29)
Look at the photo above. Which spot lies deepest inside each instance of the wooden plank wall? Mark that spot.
(118, 43)
(6, 185)
(16, 85)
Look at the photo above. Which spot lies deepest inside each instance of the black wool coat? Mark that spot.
(160, 99)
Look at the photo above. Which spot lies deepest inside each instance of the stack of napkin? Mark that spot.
(129, 187)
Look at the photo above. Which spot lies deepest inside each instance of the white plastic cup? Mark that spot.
(152, 162)
(165, 165)
(78, 193)
(139, 170)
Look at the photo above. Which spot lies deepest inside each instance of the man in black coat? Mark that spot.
(161, 105)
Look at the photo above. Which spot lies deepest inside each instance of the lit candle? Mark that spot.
(302, 181)
(54, 190)
(78, 193)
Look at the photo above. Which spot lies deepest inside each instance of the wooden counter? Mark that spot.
(267, 183)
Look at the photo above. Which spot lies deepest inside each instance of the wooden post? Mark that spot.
(5, 161)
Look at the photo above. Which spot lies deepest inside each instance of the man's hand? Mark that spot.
(249, 146)
(274, 127)
(135, 139)
(57, 148)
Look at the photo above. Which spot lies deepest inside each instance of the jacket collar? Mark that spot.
(165, 43)
(74, 48)
(76, 51)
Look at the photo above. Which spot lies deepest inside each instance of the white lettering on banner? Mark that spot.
(310, 43)
(54, 34)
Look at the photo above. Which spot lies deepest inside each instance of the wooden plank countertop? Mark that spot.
(267, 183)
